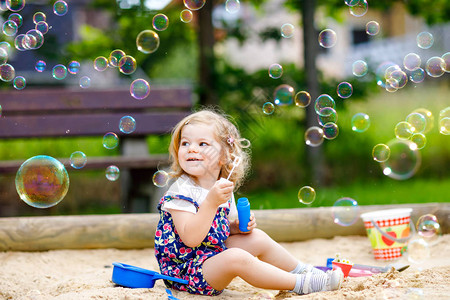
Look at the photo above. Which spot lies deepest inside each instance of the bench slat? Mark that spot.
(86, 124)
(37, 100)
(128, 162)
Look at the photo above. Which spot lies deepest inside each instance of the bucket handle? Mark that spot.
(398, 240)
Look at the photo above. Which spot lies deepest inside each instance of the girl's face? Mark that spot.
(199, 153)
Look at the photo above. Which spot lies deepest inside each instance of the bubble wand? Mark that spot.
(236, 162)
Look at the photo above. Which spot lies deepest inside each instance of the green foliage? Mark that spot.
(380, 192)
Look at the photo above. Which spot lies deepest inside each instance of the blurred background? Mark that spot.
(254, 59)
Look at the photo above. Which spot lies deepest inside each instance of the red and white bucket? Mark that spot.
(388, 231)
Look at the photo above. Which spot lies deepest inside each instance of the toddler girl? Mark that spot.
(197, 237)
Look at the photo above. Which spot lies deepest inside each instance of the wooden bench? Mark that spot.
(58, 112)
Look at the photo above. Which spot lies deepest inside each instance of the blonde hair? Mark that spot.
(226, 134)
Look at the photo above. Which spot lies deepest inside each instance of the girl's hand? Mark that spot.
(221, 192)
(251, 224)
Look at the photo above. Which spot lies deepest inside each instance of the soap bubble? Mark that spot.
(344, 90)
(314, 136)
(398, 78)
(60, 8)
(16, 18)
(7, 72)
(359, 68)
(429, 118)
(147, 41)
(283, 95)
(5, 46)
(275, 71)
(435, 66)
(268, 108)
(115, 56)
(417, 76)
(78, 160)
(232, 6)
(327, 38)
(372, 28)
(345, 211)
(446, 58)
(42, 181)
(419, 139)
(19, 82)
(59, 72)
(160, 22)
(417, 121)
(194, 4)
(74, 67)
(445, 113)
(323, 101)
(9, 28)
(127, 65)
(326, 115)
(127, 124)
(101, 63)
(160, 178)
(425, 40)
(35, 39)
(351, 2)
(42, 27)
(306, 195)
(411, 61)
(428, 228)
(418, 251)
(139, 89)
(360, 122)
(112, 173)
(110, 140)
(330, 131)
(403, 130)
(40, 66)
(302, 99)
(186, 16)
(287, 30)
(39, 17)
(21, 42)
(381, 152)
(15, 5)
(359, 9)
(85, 82)
(404, 160)
(3, 56)
(444, 126)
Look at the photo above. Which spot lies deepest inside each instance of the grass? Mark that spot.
(386, 191)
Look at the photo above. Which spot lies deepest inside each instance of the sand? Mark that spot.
(86, 274)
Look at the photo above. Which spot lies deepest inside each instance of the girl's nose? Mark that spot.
(192, 148)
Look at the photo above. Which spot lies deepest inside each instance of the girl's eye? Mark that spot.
(184, 144)
(204, 144)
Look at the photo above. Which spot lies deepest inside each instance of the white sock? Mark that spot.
(310, 283)
(302, 268)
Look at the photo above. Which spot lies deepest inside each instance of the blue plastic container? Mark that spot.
(243, 208)
(135, 277)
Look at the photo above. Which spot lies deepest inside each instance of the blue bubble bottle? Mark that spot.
(243, 208)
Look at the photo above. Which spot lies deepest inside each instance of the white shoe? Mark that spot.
(334, 280)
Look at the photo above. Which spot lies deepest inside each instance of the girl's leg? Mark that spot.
(220, 269)
(259, 244)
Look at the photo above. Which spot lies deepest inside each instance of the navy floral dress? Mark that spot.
(178, 260)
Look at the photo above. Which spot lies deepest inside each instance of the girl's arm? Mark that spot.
(193, 228)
